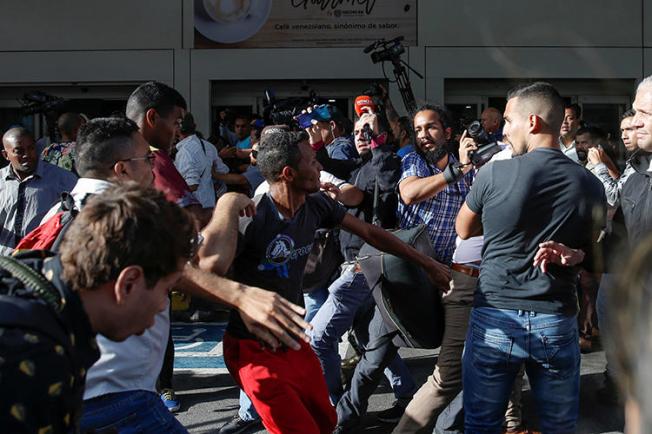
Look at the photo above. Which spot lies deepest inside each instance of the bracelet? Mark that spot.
(453, 173)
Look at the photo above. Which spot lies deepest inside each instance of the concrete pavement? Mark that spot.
(209, 397)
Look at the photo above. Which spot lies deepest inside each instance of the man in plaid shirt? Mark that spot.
(432, 189)
(434, 205)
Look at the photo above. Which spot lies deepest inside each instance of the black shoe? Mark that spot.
(238, 426)
(392, 414)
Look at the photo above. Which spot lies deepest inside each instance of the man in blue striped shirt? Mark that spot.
(433, 182)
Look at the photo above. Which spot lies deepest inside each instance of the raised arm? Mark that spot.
(386, 242)
(221, 234)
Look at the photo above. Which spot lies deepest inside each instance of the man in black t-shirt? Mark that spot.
(287, 387)
(529, 208)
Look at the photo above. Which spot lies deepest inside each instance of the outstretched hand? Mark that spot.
(273, 319)
(551, 252)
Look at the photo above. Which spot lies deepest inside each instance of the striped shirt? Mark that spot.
(24, 203)
(439, 212)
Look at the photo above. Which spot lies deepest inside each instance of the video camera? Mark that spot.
(386, 51)
(40, 102)
(487, 146)
(391, 51)
(288, 111)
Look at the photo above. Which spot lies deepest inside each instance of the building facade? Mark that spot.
(469, 53)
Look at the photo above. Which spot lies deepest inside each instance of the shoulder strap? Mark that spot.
(33, 281)
(68, 216)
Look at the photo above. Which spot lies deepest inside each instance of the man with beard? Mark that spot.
(433, 183)
(432, 188)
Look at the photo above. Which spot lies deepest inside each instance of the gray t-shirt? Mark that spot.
(272, 251)
(536, 197)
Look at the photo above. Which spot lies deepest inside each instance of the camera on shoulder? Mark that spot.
(487, 145)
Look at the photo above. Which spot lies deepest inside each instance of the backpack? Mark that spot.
(29, 301)
(408, 302)
(49, 235)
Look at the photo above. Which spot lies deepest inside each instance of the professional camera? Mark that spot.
(286, 111)
(391, 51)
(386, 51)
(487, 146)
(40, 102)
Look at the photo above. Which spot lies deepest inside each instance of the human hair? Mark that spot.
(243, 116)
(68, 123)
(629, 327)
(405, 124)
(123, 226)
(549, 104)
(628, 114)
(444, 115)
(577, 110)
(102, 142)
(597, 134)
(153, 95)
(188, 125)
(277, 150)
(647, 81)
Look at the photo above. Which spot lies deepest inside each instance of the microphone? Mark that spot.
(364, 104)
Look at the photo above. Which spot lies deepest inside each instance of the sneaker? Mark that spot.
(170, 400)
(392, 414)
(237, 426)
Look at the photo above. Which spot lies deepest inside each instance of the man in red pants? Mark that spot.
(270, 250)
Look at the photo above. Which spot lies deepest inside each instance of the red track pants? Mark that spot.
(287, 387)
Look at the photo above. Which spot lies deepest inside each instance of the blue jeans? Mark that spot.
(348, 295)
(498, 342)
(247, 411)
(133, 412)
(313, 301)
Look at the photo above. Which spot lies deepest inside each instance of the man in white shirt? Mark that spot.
(196, 160)
(570, 125)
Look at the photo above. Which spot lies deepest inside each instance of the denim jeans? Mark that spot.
(498, 342)
(133, 412)
(313, 301)
(348, 295)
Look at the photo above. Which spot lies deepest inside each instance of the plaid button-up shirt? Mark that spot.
(437, 213)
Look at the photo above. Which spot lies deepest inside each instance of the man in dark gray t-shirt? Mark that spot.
(540, 214)
(287, 387)
(555, 199)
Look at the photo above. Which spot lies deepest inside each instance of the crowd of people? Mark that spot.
(529, 256)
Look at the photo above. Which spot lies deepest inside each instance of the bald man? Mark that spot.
(536, 227)
(28, 189)
(491, 120)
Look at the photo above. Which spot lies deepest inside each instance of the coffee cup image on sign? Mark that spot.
(227, 11)
(231, 21)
